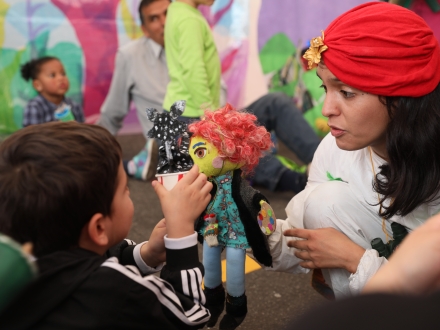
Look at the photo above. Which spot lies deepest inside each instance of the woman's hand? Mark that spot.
(325, 248)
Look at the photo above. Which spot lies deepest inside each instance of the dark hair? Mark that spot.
(412, 176)
(53, 178)
(144, 3)
(31, 69)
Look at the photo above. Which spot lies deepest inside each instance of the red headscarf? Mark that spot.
(383, 49)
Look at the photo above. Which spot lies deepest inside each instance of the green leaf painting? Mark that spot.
(278, 57)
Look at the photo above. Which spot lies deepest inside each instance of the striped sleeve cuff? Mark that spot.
(140, 263)
(181, 243)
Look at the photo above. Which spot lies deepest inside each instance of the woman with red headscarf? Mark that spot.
(380, 67)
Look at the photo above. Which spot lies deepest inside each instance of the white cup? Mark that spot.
(169, 180)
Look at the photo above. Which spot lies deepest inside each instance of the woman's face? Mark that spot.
(357, 119)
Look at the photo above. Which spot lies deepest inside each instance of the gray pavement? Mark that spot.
(273, 298)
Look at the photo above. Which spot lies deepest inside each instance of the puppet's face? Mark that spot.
(207, 158)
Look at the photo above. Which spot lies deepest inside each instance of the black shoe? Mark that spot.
(215, 302)
(236, 310)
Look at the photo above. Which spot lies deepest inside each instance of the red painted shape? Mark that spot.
(228, 59)
(94, 22)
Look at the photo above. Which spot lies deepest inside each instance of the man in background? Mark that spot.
(141, 75)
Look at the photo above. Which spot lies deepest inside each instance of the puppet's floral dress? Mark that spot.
(230, 228)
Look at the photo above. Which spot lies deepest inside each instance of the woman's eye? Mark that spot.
(347, 94)
(325, 88)
(200, 152)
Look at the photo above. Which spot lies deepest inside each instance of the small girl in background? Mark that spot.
(50, 81)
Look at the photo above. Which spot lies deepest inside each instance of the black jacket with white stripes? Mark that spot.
(79, 289)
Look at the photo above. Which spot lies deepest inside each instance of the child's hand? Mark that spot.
(153, 252)
(184, 203)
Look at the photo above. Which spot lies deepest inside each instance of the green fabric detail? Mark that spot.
(291, 165)
(192, 59)
(331, 178)
(230, 228)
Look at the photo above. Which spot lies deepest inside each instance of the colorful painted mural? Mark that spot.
(85, 35)
(81, 33)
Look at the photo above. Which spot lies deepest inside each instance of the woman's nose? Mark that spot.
(330, 107)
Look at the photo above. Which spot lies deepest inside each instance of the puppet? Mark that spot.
(226, 144)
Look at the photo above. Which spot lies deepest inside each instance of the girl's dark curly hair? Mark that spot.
(31, 69)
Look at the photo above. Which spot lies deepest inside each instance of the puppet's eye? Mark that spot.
(200, 152)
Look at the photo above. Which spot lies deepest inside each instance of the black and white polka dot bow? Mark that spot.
(173, 153)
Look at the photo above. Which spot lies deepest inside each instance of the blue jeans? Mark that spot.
(235, 261)
(278, 113)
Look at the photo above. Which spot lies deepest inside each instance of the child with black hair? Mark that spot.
(50, 81)
(76, 215)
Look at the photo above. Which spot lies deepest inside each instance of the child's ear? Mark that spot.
(37, 85)
(97, 230)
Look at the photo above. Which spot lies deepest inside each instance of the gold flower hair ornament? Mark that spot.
(313, 54)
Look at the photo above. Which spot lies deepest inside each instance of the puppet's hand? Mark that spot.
(266, 218)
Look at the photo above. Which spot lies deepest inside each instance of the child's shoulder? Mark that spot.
(37, 101)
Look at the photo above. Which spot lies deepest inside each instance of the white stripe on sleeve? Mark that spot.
(164, 292)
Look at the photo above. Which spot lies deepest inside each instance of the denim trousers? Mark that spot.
(278, 113)
(235, 261)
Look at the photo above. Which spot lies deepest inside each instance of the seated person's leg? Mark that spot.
(277, 112)
(273, 175)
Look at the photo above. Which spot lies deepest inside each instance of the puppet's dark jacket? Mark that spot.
(248, 204)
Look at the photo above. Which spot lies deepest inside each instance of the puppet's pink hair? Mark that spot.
(235, 134)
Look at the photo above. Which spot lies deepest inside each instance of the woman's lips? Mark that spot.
(336, 132)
